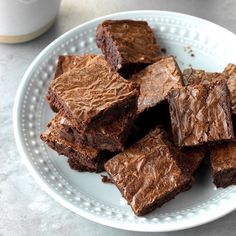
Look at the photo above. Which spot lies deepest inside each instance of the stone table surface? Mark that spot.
(25, 209)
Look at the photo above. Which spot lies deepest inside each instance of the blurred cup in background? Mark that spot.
(23, 20)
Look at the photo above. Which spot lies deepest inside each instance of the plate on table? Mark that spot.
(194, 42)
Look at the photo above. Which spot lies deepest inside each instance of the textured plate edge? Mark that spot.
(47, 188)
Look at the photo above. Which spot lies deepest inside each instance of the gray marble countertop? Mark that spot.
(25, 209)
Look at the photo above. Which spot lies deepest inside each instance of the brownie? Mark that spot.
(223, 164)
(201, 114)
(148, 174)
(111, 137)
(194, 77)
(156, 81)
(230, 72)
(84, 158)
(93, 95)
(128, 45)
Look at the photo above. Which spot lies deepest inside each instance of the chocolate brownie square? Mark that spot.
(93, 95)
(201, 114)
(85, 158)
(148, 174)
(128, 45)
(223, 164)
(156, 81)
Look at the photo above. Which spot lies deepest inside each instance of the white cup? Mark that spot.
(23, 20)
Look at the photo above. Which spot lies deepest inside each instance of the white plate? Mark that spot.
(84, 193)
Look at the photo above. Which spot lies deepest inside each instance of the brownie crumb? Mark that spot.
(106, 179)
(163, 50)
(189, 50)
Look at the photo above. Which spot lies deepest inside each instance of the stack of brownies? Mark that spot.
(133, 113)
